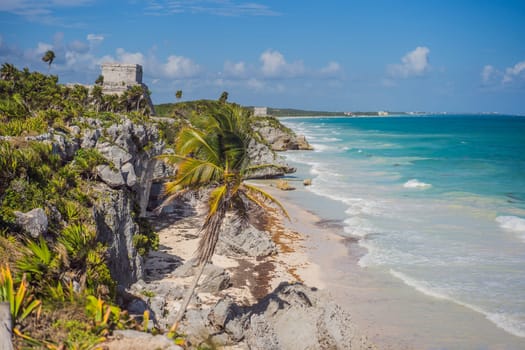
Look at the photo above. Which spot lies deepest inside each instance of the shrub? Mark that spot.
(21, 301)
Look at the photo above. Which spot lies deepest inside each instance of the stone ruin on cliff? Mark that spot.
(119, 77)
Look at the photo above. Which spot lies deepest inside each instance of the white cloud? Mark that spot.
(42, 48)
(130, 57)
(94, 38)
(331, 68)
(180, 67)
(414, 63)
(212, 7)
(236, 70)
(488, 73)
(78, 46)
(39, 10)
(514, 72)
(274, 65)
(255, 84)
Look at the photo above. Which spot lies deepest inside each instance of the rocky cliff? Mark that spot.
(131, 180)
(278, 136)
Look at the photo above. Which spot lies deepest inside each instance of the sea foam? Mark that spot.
(414, 183)
(512, 223)
(501, 320)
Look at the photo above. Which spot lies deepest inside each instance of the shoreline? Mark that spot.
(390, 313)
(312, 250)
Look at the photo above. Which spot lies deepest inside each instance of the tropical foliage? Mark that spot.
(67, 265)
(49, 57)
(21, 302)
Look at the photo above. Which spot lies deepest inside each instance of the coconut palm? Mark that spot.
(49, 57)
(178, 94)
(224, 97)
(97, 97)
(216, 159)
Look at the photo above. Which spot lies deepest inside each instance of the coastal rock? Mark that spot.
(112, 178)
(128, 173)
(137, 307)
(33, 222)
(115, 154)
(279, 137)
(216, 280)
(64, 146)
(260, 153)
(90, 138)
(236, 240)
(113, 214)
(293, 316)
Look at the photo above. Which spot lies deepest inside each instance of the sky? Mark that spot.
(353, 55)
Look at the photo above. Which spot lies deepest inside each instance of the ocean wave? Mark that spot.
(512, 223)
(414, 183)
(501, 320)
(331, 139)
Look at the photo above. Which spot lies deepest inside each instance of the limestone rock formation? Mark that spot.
(279, 137)
(34, 222)
(291, 317)
(246, 241)
(260, 153)
(113, 214)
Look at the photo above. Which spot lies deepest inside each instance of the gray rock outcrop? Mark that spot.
(236, 240)
(113, 214)
(34, 222)
(279, 137)
(261, 154)
(291, 317)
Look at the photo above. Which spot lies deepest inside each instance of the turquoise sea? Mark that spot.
(437, 201)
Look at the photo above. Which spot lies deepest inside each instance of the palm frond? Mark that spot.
(252, 168)
(217, 196)
(192, 141)
(252, 192)
(192, 173)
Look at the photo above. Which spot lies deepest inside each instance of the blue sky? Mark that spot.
(456, 56)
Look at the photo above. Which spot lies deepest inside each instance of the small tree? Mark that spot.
(49, 57)
(178, 94)
(224, 97)
(100, 80)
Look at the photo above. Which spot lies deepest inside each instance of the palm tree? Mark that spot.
(97, 97)
(49, 57)
(224, 97)
(8, 72)
(178, 94)
(216, 159)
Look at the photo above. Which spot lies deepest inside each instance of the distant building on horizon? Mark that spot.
(260, 111)
(382, 113)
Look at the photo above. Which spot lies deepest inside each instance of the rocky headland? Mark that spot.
(87, 186)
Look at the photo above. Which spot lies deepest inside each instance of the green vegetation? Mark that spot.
(64, 273)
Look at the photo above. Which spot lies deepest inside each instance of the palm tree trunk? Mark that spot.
(187, 297)
(207, 243)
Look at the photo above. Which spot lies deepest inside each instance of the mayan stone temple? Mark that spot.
(119, 77)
